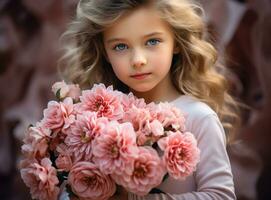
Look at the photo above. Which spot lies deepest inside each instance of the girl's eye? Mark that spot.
(120, 47)
(153, 42)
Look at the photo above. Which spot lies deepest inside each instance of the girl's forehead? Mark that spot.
(141, 21)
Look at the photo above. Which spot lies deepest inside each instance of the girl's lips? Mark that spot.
(140, 76)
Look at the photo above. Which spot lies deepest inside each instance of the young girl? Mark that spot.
(155, 48)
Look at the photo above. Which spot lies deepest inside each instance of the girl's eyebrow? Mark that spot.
(145, 36)
(153, 34)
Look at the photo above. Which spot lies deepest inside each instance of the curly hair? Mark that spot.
(194, 70)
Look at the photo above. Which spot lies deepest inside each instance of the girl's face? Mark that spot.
(140, 46)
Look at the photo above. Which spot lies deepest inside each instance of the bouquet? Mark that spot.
(91, 141)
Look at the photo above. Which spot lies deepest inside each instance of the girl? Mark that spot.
(156, 49)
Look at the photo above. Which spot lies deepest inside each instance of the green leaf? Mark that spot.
(165, 177)
(155, 145)
(148, 143)
(62, 176)
(58, 94)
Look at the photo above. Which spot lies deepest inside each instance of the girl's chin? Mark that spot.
(139, 89)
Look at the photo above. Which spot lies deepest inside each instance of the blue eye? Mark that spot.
(153, 42)
(120, 47)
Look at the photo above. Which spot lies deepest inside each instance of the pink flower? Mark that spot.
(143, 139)
(148, 172)
(64, 160)
(129, 100)
(42, 180)
(81, 134)
(36, 142)
(181, 154)
(150, 133)
(170, 116)
(156, 128)
(60, 87)
(138, 117)
(56, 140)
(147, 128)
(56, 114)
(89, 183)
(66, 90)
(104, 101)
(74, 91)
(115, 149)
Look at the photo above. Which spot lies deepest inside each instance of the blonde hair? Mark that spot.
(193, 71)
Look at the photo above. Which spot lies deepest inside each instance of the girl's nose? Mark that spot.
(139, 59)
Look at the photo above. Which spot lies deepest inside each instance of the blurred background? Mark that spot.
(29, 50)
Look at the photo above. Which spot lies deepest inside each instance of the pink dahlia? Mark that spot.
(81, 134)
(170, 116)
(150, 133)
(139, 117)
(89, 183)
(36, 142)
(129, 100)
(115, 149)
(104, 101)
(57, 113)
(181, 154)
(147, 128)
(148, 172)
(41, 179)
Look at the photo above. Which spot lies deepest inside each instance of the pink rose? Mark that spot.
(66, 90)
(57, 113)
(104, 101)
(81, 134)
(181, 154)
(36, 142)
(115, 149)
(89, 183)
(60, 87)
(41, 179)
(148, 173)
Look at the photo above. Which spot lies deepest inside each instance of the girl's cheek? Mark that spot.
(121, 59)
